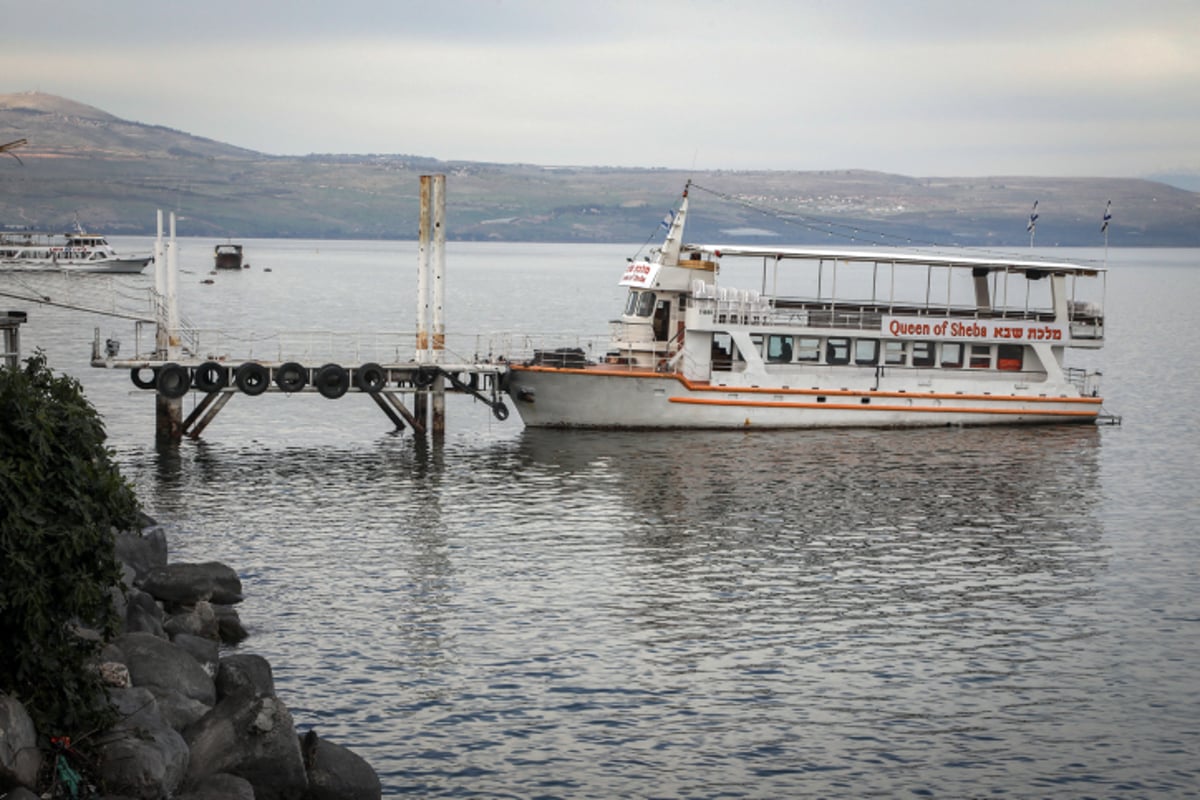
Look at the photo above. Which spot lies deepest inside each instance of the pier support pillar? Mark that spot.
(430, 405)
(168, 419)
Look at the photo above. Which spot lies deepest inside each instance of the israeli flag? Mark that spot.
(667, 220)
(1107, 217)
(1033, 215)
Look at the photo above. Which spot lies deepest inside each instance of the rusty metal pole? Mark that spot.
(439, 294)
(424, 235)
(168, 417)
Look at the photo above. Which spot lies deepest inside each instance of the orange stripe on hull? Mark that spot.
(709, 401)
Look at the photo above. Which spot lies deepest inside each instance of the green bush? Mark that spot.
(60, 499)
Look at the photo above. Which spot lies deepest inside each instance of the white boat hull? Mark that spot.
(548, 397)
(125, 265)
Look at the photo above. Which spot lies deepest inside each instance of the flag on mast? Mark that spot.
(1033, 215)
(1107, 217)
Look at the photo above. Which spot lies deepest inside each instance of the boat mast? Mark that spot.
(668, 256)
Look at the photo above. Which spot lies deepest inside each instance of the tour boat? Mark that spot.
(829, 338)
(74, 252)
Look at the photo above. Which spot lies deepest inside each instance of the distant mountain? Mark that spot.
(113, 174)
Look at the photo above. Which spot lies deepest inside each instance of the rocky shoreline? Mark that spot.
(193, 724)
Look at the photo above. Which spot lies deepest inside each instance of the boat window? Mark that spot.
(722, 351)
(779, 349)
(646, 304)
(981, 356)
(866, 351)
(922, 354)
(952, 354)
(837, 350)
(631, 303)
(1010, 357)
(894, 353)
(808, 348)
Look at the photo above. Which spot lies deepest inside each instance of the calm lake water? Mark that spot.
(512, 613)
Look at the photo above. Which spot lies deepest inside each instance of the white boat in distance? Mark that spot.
(69, 252)
(866, 338)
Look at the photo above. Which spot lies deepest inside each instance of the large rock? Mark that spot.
(229, 624)
(207, 652)
(254, 739)
(142, 552)
(186, 584)
(155, 662)
(19, 756)
(219, 787)
(335, 773)
(141, 756)
(143, 614)
(246, 675)
(197, 620)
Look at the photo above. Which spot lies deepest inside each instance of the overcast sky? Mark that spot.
(921, 87)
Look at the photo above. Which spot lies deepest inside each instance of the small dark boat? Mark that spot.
(228, 256)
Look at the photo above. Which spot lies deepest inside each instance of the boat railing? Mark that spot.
(740, 307)
(1086, 381)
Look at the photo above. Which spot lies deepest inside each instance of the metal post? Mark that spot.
(439, 288)
(424, 236)
(423, 244)
(168, 418)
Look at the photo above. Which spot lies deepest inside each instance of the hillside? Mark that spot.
(113, 174)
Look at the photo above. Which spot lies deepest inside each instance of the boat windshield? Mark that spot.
(640, 304)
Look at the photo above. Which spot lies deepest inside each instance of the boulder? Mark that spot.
(143, 614)
(246, 675)
(19, 757)
(197, 620)
(207, 652)
(229, 624)
(335, 773)
(185, 584)
(221, 786)
(141, 756)
(177, 710)
(253, 738)
(155, 662)
(142, 552)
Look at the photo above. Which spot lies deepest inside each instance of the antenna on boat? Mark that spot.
(669, 253)
(1104, 228)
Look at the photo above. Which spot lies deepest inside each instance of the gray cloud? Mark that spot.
(930, 87)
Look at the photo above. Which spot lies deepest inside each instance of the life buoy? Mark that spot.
(135, 374)
(332, 381)
(210, 377)
(173, 381)
(291, 377)
(252, 378)
(370, 378)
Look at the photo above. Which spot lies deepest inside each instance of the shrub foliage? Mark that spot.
(60, 499)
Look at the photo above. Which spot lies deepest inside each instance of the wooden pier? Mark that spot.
(10, 337)
(177, 365)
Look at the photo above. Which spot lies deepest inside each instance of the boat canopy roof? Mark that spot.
(882, 256)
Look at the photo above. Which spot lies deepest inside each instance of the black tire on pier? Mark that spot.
(135, 374)
(370, 378)
(173, 381)
(252, 379)
(210, 377)
(332, 381)
(291, 377)
(424, 377)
